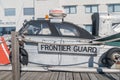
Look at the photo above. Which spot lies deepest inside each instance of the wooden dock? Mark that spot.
(7, 75)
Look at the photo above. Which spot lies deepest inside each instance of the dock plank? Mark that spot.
(102, 76)
(54, 76)
(109, 76)
(76, 76)
(92, 76)
(46, 76)
(115, 76)
(61, 76)
(118, 74)
(69, 76)
(26, 75)
(84, 76)
(33, 76)
(4, 74)
(9, 77)
(39, 75)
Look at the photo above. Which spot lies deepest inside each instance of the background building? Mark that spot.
(14, 12)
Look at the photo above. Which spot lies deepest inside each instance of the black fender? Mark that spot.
(23, 56)
(108, 59)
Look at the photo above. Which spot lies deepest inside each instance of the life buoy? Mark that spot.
(4, 52)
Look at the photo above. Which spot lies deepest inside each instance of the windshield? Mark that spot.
(41, 29)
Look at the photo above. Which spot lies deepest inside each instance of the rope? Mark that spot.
(84, 43)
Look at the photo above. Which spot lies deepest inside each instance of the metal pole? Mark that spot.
(34, 9)
(15, 57)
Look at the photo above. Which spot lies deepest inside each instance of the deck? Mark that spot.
(7, 75)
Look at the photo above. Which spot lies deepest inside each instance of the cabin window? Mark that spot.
(66, 30)
(44, 29)
(37, 29)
